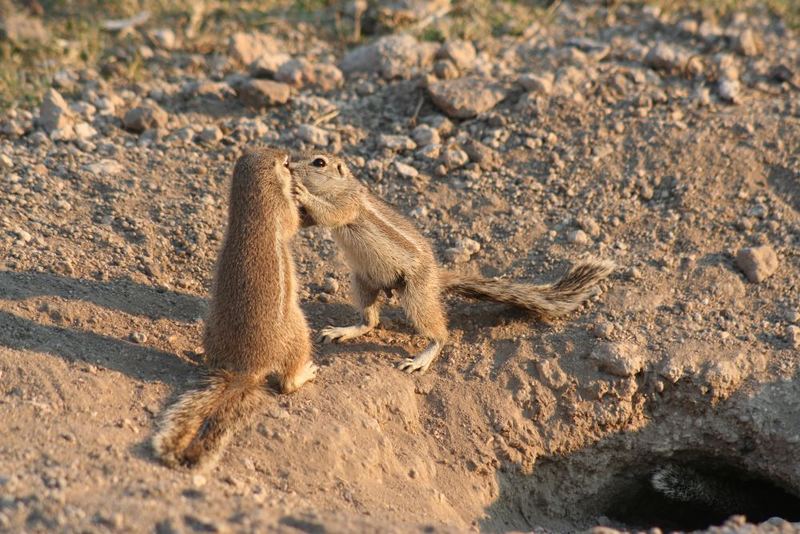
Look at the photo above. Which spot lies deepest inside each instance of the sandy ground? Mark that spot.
(107, 242)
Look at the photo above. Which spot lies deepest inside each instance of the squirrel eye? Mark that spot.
(319, 162)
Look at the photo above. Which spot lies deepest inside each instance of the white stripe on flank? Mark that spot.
(378, 215)
(279, 261)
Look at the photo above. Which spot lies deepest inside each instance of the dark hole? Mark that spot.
(697, 494)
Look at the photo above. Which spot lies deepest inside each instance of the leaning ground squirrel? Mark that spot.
(386, 252)
(255, 326)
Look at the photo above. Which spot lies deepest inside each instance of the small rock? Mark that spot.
(263, 93)
(210, 135)
(465, 98)
(757, 263)
(54, 113)
(145, 117)
(267, 66)
(460, 52)
(330, 285)
(198, 480)
(445, 70)
(537, 83)
(139, 337)
(393, 56)
(314, 135)
(619, 359)
(424, 135)
(729, 90)
(396, 142)
(406, 171)
(84, 131)
(747, 43)
(20, 28)
(248, 47)
(578, 237)
(6, 163)
(105, 167)
(453, 157)
(164, 38)
(664, 57)
(793, 335)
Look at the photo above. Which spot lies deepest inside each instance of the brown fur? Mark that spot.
(255, 326)
(385, 251)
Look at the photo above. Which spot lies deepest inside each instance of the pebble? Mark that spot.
(263, 93)
(164, 38)
(460, 52)
(425, 135)
(793, 335)
(392, 56)
(454, 157)
(578, 237)
(618, 358)
(330, 285)
(538, 83)
(407, 171)
(248, 47)
(747, 43)
(210, 135)
(313, 134)
(54, 113)
(138, 337)
(465, 98)
(396, 142)
(757, 263)
(6, 163)
(105, 167)
(145, 117)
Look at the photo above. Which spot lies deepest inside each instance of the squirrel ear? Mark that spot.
(340, 168)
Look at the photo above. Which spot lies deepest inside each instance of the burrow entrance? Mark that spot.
(697, 493)
(633, 490)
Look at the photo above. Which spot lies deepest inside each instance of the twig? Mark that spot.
(413, 120)
(325, 117)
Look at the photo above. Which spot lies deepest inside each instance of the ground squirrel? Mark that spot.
(255, 326)
(386, 252)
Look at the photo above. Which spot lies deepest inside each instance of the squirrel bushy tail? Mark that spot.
(548, 300)
(195, 430)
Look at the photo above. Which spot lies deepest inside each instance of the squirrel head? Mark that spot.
(262, 181)
(322, 173)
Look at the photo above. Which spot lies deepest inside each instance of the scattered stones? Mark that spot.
(248, 47)
(314, 135)
(396, 142)
(393, 56)
(460, 52)
(22, 29)
(139, 337)
(263, 93)
(330, 285)
(406, 171)
(144, 117)
(793, 336)
(454, 157)
(618, 358)
(105, 167)
(465, 98)
(748, 43)
(757, 263)
(210, 135)
(424, 135)
(578, 237)
(300, 72)
(164, 38)
(665, 57)
(539, 83)
(54, 113)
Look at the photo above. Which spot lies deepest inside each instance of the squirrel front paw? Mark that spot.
(301, 193)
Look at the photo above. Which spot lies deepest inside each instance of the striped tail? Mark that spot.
(547, 300)
(195, 430)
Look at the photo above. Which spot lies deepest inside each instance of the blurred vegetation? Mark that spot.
(75, 38)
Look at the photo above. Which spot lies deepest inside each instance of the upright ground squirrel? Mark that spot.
(255, 325)
(385, 251)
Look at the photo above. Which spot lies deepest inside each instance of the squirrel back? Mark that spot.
(255, 325)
